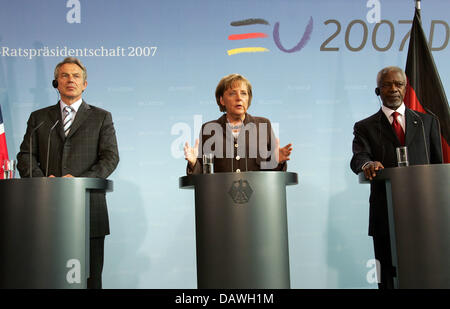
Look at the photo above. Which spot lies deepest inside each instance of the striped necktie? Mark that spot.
(68, 115)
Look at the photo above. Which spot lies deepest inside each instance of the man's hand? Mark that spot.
(191, 153)
(371, 168)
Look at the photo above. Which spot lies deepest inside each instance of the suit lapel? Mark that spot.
(55, 115)
(386, 128)
(228, 139)
(411, 126)
(81, 116)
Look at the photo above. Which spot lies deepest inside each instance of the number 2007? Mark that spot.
(358, 22)
(142, 51)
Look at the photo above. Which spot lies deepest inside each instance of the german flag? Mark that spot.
(424, 92)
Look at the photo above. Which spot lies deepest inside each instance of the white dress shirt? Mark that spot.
(75, 106)
(401, 110)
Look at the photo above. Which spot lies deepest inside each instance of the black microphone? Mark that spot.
(48, 146)
(439, 129)
(31, 147)
(423, 135)
(379, 139)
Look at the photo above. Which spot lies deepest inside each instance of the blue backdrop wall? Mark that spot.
(155, 66)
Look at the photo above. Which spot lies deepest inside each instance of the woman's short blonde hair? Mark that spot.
(226, 83)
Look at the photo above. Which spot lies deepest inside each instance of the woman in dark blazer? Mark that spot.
(237, 140)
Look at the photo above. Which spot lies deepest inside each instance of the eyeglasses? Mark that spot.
(395, 83)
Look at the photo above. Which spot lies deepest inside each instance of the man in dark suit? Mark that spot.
(374, 147)
(82, 144)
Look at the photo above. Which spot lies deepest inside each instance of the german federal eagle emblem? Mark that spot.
(240, 191)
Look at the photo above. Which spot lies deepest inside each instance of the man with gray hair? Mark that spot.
(83, 145)
(374, 147)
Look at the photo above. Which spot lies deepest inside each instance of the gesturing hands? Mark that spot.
(191, 153)
(283, 154)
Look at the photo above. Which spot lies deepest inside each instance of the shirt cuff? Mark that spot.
(364, 165)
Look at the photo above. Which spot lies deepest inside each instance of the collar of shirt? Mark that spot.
(75, 106)
(401, 110)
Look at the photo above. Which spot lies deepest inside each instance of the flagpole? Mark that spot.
(418, 11)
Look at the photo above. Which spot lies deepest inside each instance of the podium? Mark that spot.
(241, 229)
(419, 224)
(44, 231)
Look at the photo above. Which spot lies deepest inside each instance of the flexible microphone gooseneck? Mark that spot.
(48, 147)
(379, 139)
(423, 135)
(377, 92)
(31, 147)
(439, 130)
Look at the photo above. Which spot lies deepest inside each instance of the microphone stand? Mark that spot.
(48, 147)
(31, 147)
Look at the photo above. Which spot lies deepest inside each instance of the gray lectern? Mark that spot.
(419, 223)
(44, 231)
(241, 229)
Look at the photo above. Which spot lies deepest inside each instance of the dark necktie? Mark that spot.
(398, 128)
